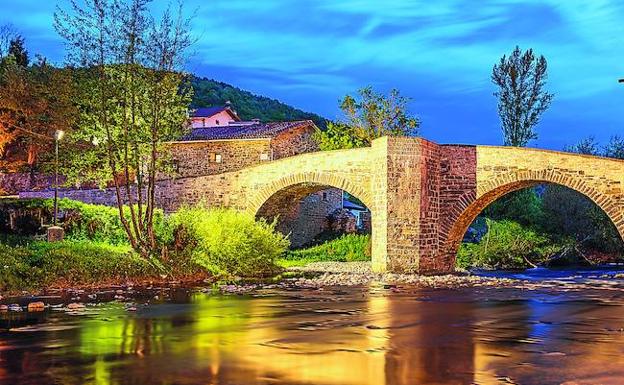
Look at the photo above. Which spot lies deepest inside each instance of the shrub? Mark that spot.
(347, 248)
(81, 221)
(507, 245)
(225, 242)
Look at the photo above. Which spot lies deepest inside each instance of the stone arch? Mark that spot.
(313, 178)
(469, 207)
(302, 209)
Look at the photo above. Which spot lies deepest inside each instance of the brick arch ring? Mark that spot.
(468, 208)
(326, 179)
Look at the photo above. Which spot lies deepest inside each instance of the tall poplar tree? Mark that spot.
(522, 96)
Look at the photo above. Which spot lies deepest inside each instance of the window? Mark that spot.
(203, 122)
(264, 156)
(324, 197)
(215, 158)
(217, 122)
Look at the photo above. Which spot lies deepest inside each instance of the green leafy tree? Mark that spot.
(522, 97)
(338, 136)
(35, 101)
(18, 51)
(134, 99)
(570, 213)
(367, 116)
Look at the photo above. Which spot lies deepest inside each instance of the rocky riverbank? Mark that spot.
(328, 274)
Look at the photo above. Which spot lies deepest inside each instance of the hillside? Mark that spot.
(210, 92)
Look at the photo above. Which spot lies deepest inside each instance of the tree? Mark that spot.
(570, 213)
(522, 98)
(18, 51)
(134, 100)
(338, 136)
(587, 146)
(368, 116)
(615, 148)
(7, 34)
(34, 102)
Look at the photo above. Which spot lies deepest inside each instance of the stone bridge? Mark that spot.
(422, 196)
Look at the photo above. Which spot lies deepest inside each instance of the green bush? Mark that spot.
(507, 245)
(81, 221)
(348, 248)
(41, 264)
(225, 242)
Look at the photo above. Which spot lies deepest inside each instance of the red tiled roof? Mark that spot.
(244, 130)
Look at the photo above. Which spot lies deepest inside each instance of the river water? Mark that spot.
(561, 327)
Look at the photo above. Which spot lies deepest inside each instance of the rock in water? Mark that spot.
(36, 306)
(75, 306)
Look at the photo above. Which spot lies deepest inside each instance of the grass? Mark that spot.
(348, 248)
(40, 264)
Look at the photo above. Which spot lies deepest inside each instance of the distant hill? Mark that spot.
(210, 92)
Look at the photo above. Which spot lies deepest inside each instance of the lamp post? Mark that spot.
(58, 135)
(56, 233)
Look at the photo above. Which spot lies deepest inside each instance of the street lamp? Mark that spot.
(58, 135)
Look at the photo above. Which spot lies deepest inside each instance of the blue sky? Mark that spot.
(309, 53)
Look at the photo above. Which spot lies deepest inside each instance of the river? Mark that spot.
(561, 327)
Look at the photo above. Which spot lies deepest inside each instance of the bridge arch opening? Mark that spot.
(460, 227)
(310, 213)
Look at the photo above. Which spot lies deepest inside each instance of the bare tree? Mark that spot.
(522, 98)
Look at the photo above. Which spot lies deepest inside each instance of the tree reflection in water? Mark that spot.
(334, 336)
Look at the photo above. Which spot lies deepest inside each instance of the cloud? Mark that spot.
(311, 52)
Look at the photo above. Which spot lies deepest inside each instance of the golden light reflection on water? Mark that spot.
(327, 338)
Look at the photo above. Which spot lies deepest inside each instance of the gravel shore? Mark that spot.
(360, 273)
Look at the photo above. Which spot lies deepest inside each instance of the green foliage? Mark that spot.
(225, 242)
(571, 214)
(522, 206)
(522, 99)
(133, 100)
(348, 248)
(18, 51)
(82, 221)
(507, 245)
(99, 223)
(247, 105)
(338, 136)
(41, 264)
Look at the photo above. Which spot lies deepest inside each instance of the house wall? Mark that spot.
(294, 142)
(302, 212)
(200, 158)
(221, 119)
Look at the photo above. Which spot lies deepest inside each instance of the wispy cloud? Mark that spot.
(310, 52)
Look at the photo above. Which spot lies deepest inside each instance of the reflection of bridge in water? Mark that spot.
(340, 336)
(422, 196)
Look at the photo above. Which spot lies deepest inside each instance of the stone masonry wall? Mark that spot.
(422, 196)
(302, 211)
(294, 142)
(200, 158)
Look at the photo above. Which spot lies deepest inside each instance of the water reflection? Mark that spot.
(335, 336)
